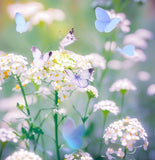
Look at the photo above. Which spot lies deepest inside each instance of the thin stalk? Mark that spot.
(122, 105)
(86, 110)
(104, 122)
(24, 96)
(2, 148)
(125, 151)
(56, 126)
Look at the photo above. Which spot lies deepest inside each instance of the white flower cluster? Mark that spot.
(53, 71)
(119, 153)
(96, 60)
(107, 105)
(110, 46)
(78, 156)
(122, 85)
(11, 64)
(23, 155)
(7, 136)
(92, 91)
(125, 132)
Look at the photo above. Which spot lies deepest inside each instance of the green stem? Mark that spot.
(122, 105)
(125, 151)
(104, 122)
(23, 93)
(84, 118)
(2, 148)
(56, 126)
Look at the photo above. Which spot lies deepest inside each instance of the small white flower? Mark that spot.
(23, 155)
(44, 91)
(122, 84)
(6, 135)
(151, 90)
(143, 76)
(110, 46)
(96, 60)
(127, 132)
(60, 111)
(107, 105)
(78, 156)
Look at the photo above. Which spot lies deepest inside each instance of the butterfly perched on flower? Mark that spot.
(21, 24)
(39, 58)
(103, 22)
(82, 78)
(73, 135)
(68, 39)
(127, 50)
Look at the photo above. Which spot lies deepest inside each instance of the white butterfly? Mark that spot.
(39, 58)
(69, 39)
(80, 79)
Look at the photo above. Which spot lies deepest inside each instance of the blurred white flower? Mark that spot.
(122, 84)
(43, 91)
(111, 151)
(126, 132)
(96, 60)
(47, 16)
(23, 155)
(26, 9)
(115, 64)
(101, 3)
(107, 105)
(139, 38)
(78, 156)
(144, 34)
(7, 135)
(110, 46)
(143, 76)
(151, 90)
(124, 22)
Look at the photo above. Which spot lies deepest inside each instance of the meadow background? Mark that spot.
(80, 15)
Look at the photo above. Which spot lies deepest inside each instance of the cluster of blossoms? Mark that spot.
(78, 156)
(7, 136)
(107, 105)
(53, 72)
(23, 155)
(12, 64)
(122, 85)
(125, 132)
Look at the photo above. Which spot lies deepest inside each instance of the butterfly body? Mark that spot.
(39, 58)
(81, 79)
(127, 50)
(73, 135)
(21, 24)
(103, 22)
(68, 39)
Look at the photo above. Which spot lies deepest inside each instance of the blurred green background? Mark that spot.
(80, 16)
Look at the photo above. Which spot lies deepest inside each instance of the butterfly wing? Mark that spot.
(112, 25)
(69, 39)
(21, 25)
(37, 60)
(102, 15)
(100, 25)
(103, 19)
(129, 50)
(82, 83)
(86, 74)
(72, 135)
(70, 74)
(46, 56)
